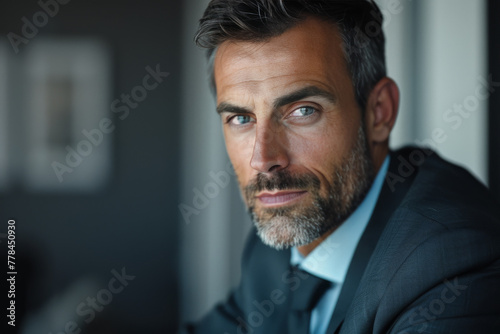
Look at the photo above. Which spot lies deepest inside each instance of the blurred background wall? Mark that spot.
(105, 215)
(152, 205)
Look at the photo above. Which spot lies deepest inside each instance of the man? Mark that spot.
(352, 238)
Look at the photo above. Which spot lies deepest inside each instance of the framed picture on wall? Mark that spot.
(68, 94)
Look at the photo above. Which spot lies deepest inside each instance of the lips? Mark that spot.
(280, 198)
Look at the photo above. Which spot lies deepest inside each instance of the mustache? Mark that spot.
(281, 180)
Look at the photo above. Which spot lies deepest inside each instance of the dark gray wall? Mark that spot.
(494, 114)
(132, 222)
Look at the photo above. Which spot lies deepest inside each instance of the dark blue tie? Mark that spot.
(303, 300)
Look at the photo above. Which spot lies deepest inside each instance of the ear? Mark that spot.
(381, 111)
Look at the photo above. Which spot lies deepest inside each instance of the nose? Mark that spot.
(269, 151)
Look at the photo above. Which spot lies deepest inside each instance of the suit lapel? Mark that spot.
(390, 197)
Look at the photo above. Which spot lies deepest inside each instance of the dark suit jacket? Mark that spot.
(428, 262)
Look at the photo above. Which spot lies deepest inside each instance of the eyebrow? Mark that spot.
(280, 101)
(231, 108)
(302, 94)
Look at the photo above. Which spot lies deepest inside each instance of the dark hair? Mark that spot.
(359, 23)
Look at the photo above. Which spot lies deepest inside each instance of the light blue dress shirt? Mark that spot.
(331, 259)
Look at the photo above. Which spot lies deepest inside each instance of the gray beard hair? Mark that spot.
(297, 226)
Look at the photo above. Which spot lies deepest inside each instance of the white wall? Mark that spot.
(436, 52)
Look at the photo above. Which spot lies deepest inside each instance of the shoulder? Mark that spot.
(446, 229)
(442, 192)
(446, 214)
(446, 219)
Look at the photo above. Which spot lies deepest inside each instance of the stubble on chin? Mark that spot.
(297, 226)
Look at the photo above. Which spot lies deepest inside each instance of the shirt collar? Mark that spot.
(330, 260)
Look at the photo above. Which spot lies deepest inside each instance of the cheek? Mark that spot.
(323, 150)
(318, 147)
(240, 154)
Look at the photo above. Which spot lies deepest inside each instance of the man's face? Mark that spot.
(293, 131)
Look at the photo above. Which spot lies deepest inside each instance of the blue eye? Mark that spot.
(241, 119)
(303, 111)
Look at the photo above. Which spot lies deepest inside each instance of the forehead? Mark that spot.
(311, 50)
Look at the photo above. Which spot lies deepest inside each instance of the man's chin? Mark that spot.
(281, 232)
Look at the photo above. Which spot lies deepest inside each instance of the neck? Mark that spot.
(307, 249)
(379, 152)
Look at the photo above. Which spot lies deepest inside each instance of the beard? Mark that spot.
(302, 223)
